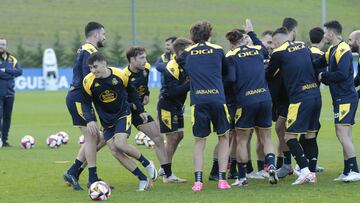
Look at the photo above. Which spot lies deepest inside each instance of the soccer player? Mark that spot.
(138, 72)
(292, 60)
(280, 106)
(253, 100)
(340, 79)
(109, 89)
(82, 113)
(160, 64)
(205, 63)
(354, 42)
(170, 108)
(317, 43)
(9, 70)
(266, 39)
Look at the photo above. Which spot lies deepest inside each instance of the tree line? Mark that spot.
(114, 52)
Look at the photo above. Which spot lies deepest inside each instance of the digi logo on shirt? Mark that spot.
(202, 52)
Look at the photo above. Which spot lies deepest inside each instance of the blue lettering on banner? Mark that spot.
(32, 79)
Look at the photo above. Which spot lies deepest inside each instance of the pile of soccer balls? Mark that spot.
(99, 191)
(58, 139)
(53, 141)
(142, 139)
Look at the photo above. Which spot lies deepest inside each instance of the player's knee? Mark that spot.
(158, 140)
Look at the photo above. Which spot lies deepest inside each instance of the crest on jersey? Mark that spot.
(115, 81)
(145, 73)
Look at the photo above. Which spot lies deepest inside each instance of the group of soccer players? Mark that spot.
(239, 93)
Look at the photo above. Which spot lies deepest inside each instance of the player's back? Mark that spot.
(297, 72)
(80, 68)
(247, 65)
(204, 62)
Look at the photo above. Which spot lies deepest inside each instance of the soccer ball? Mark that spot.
(139, 138)
(64, 137)
(99, 191)
(27, 142)
(81, 140)
(53, 141)
(148, 142)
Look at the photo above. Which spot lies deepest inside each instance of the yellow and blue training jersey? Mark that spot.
(174, 84)
(293, 61)
(205, 64)
(111, 96)
(340, 73)
(81, 68)
(140, 80)
(246, 66)
(10, 70)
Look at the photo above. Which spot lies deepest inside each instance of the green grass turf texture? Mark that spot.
(37, 21)
(34, 176)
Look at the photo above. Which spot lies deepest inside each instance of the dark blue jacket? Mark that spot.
(9, 70)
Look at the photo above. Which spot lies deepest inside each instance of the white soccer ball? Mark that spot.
(64, 137)
(148, 142)
(99, 191)
(27, 142)
(53, 141)
(139, 138)
(81, 140)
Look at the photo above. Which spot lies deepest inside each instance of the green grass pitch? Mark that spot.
(36, 175)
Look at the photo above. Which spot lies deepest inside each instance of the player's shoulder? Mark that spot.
(257, 47)
(343, 49)
(173, 68)
(215, 46)
(147, 66)
(89, 79)
(120, 74)
(232, 52)
(127, 71)
(281, 48)
(88, 48)
(315, 50)
(191, 47)
(12, 59)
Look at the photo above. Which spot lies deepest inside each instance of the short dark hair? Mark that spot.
(180, 44)
(200, 31)
(96, 56)
(267, 32)
(91, 26)
(234, 36)
(281, 30)
(335, 26)
(172, 39)
(289, 23)
(134, 52)
(316, 35)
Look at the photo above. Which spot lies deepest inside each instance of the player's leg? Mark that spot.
(298, 120)
(6, 119)
(214, 173)
(200, 120)
(120, 141)
(76, 108)
(152, 130)
(144, 182)
(259, 152)
(233, 164)
(344, 119)
(242, 137)
(286, 168)
(263, 128)
(172, 124)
